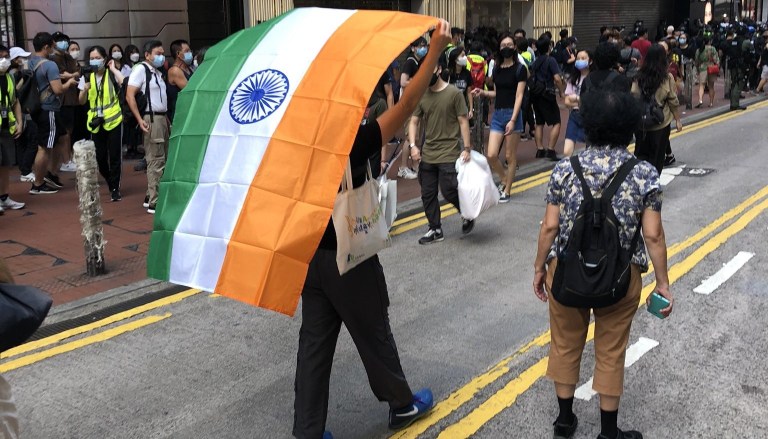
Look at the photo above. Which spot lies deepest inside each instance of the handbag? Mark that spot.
(22, 311)
(388, 199)
(713, 69)
(361, 230)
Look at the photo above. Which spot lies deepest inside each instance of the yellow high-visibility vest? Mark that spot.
(8, 103)
(107, 102)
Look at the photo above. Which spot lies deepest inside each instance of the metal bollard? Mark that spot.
(728, 79)
(90, 206)
(477, 131)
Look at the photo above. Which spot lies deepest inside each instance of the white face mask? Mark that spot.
(135, 57)
(75, 54)
(117, 55)
(5, 64)
(462, 61)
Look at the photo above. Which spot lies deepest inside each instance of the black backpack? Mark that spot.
(30, 96)
(535, 86)
(141, 96)
(593, 270)
(653, 113)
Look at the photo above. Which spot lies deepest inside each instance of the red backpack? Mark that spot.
(477, 71)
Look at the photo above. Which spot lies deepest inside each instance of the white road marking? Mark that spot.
(725, 273)
(669, 174)
(637, 350)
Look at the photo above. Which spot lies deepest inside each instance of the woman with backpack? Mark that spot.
(461, 78)
(656, 89)
(574, 132)
(708, 66)
(508, 82)
(632, 192)
(100, 89)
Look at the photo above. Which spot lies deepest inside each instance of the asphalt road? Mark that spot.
(467, 325)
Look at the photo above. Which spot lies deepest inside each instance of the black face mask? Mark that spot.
(445, 75)
(507, 52)
(433, 81)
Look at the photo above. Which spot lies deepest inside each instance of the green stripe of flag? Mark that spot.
(197, 110)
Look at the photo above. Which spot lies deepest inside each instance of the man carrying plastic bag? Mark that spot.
(477, 191)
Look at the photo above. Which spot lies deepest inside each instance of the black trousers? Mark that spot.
(109, 155)
(651, 146)
(359, 299)
(430, 176)
(26, 147)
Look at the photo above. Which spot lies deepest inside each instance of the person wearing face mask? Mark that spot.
(507, 85)
(51, 132)
(26, 145)
(179, 73)
(74, 52)
(118, 56)
(410, 67)
(444, 112)
(687, 48)
(461, 78)
(569, 60)
(574, 132)
(100, 91)
(68, 68)
(11, 127)
(152, 119)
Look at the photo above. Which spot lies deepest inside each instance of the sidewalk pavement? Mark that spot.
(43, 246)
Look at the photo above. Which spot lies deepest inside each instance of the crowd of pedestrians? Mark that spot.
(122, 99)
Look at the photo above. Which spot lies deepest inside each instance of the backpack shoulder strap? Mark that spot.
(618, 179)
(611, 77)
(586, 191)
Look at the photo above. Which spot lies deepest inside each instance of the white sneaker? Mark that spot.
(407, 173)
(10, 204)
(29, 178)
(68, 167)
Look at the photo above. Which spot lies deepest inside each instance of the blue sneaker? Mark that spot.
(422, 404)
(327, 435)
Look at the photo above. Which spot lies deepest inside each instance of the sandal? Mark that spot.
(699, 104)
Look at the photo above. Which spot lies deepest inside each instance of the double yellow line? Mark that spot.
(518, 385)
(411, 222)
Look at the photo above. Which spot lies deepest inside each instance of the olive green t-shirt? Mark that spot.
(439, 112)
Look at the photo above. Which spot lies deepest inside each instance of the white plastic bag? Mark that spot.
(361, 230)
(477, 191)
(388, 199)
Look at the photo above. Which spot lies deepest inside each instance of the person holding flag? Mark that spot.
(359, 298)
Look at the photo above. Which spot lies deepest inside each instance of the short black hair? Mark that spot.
(418, 42)
(548, 34)
(151, 45)
(4, 49)
(456, 31)
(543, 45)
(642, 31)
(564, 33)
(606, 56)
(522, 45)
(603, 29)
(609, 117)
(176, 47)
(102, 51)
(41, 40)
(519, 31)
(59, 36)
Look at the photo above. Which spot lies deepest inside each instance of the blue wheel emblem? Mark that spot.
(258, 96)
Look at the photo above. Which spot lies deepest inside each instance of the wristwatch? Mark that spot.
(411, 146)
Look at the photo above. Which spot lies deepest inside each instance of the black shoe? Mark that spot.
(116, 195)
(43, 189)
(467, 226)
(422, 404)
(151, 209)
(504, 198)
(739, 108)
(552, 155)
(53, 180)
(431, 237)
(541, 153)
(624, 435)
(699, 104)
(565, 431)
(669, 160)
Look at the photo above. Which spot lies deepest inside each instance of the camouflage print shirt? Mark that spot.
(640, 191)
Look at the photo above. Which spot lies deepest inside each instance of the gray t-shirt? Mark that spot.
(46, 73)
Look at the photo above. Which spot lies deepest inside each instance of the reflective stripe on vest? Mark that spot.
(8, 105)
(112, 114)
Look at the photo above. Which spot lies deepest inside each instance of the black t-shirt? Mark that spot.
(689, 52)
(410, 67)
(506, 79)
(545, 68)
(620, 83)
(367, 143)
(384, 80)
(462, 81)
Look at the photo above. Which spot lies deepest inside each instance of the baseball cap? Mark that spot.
(17, 52)
(59, 36)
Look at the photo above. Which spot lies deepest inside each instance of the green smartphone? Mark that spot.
(658, 302)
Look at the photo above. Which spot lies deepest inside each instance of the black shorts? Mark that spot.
(49, 128)
(67, 113)
(546, 110)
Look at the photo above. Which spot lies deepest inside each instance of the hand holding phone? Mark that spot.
(656, 303)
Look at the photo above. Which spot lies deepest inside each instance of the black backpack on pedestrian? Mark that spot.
(141, 96)
(536, 86)
(593, 270)
(652, 114)
(30, 96)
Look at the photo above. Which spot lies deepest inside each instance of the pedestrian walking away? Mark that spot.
(545, 84)
(359, 298)
(443, 111)
(508, 83)
(609, 120)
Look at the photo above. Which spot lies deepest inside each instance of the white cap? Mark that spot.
(17, 52)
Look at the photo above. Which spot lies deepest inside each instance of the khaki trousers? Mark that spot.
(9, 422)
(569, 333)
(155, 152)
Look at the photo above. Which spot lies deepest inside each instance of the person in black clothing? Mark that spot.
(410, 67)
(359, 298)
(545, 107)
(605, 76)
(732, 49)
(461, 78)
(762, 65)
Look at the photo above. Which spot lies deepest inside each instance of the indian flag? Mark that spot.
(260, 141)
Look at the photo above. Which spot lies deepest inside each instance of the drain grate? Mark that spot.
(56, 328)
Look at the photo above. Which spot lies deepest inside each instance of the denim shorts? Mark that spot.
(575, 129)
(502, 116)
